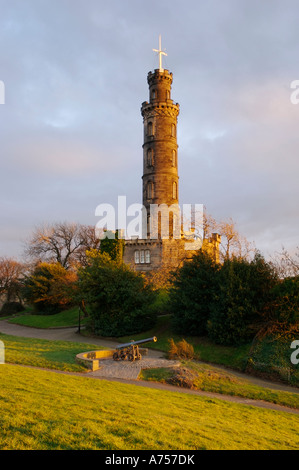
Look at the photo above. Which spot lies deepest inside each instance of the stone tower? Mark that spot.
(160, 148)
(160, 183)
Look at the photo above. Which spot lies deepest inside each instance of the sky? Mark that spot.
(71, 131)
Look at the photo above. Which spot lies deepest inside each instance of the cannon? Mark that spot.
(130, 350)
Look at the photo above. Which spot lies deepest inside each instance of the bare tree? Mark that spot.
(11, 272)
(65, 243)
(287, 264)
(232, 243)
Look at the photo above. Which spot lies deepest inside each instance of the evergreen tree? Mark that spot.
(118, 298)
(113, 246)
(191, 296)
(237, 309)
(49, 288)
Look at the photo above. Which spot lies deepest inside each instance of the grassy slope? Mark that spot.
(44, 410)
(66, 318)
(59, 355)
(207, 351)
(211, 379)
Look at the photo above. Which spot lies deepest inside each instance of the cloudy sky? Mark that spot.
(75, 75)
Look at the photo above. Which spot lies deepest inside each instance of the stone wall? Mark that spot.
(166, 253)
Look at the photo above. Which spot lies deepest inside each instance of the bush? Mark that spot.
(182, 349)
(284, 302)
(113, 246)
(183, 377)
(226, 302)
(244, 291)
(10, 308)
(49, 288)
(191, 296)
(119, 300)
(270, 355)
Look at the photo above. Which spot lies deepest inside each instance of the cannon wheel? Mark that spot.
(123, 355)
(116, 356)
(131, 357)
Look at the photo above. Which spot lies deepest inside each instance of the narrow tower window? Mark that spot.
(150, 190)
(150, 129)
(173, 130)
(174, 158)
(174, 190)
(150, 157)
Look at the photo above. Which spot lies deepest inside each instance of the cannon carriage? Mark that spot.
(130, 351)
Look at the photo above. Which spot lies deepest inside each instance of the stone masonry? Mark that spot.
(160, 184)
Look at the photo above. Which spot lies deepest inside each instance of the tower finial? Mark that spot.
(161, 53)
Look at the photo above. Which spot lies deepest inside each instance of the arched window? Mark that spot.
(174, 158)
(137, 257)
(153, 94)
(167, 94)
(173, 130)
(174, 190)
(150, 129)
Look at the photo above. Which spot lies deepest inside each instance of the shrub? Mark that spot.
(113, 246)
(10, 308)
(119, 300)
(284, 302)
(49, 288)
(183, 377)
(182, 349)
(190, 298)
(238, 307)
(271, 356)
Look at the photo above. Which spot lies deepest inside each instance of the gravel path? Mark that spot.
(129, 370)
(54, 334)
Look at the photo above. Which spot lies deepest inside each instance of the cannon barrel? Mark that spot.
(141, 341)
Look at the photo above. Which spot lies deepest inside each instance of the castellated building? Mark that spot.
(164, 242)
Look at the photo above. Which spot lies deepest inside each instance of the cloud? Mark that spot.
(75, 75)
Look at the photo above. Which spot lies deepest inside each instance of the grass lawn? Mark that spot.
(49, 411)
(211, 379)
(65, 318)
(205, 350)
(59, 355)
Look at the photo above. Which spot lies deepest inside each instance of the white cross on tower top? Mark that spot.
(161, 53)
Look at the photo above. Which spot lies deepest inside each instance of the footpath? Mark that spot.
(126, 372)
